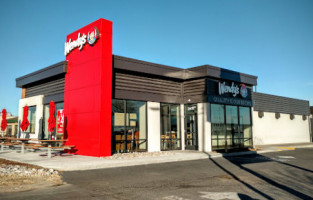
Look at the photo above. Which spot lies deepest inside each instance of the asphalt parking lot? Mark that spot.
(278, 175)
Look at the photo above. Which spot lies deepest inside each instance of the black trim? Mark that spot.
(53, 70)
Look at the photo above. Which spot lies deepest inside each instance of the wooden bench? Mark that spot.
(34, 146)
(8, 144)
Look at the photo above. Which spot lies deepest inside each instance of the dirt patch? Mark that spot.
(16, 182)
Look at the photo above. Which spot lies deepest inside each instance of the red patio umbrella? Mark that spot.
(25, 122)
(51, 120)
(4, 120)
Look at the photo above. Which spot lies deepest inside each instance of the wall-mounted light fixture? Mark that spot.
(277, 115)
(292, 116)
(260, 114)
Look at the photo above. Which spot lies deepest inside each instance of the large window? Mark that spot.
(170, 127)
(129, 132)
(231, 127)
(46, 133)
(32, 119)
(218, 126)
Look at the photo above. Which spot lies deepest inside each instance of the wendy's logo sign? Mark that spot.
(233, 89)
(223, 88)
(81, 40)
(244, 91)
(93, 36)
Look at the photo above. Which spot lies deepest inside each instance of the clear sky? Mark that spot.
(272, 39)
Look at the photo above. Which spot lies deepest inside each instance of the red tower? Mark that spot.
(88, 89)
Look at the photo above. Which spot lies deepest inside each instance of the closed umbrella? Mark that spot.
(4, 120)
(51, 120)
(25, 122)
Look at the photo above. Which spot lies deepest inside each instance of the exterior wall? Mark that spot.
(200, 112)
(145, 88)
(207, 144)
(278, 104)
(32, 101)
(269, 130)
(311, 130)
(47, 87)
(154, 126)
(182, 126)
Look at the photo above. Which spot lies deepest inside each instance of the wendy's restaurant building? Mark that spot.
(117, 104)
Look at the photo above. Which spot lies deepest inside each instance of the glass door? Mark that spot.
(191, 124)
(232, 137)
(170, 127)
(231, 127)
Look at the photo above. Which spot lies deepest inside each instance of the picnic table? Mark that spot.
(3, 139)
(22, 140)
(53, 145)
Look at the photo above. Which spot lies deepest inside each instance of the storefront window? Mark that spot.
(218, 126)
(46, 133)
(128, 126)
(233, 138)
(9, 130)
(245, 125)
(170, 127)
(231, 127)
(32, 119)
(191, 127)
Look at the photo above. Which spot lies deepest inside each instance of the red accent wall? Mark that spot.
(88, 92)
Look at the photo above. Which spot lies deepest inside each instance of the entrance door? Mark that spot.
(170, 127)
(231, 127)
(232, 139)
(191, 124)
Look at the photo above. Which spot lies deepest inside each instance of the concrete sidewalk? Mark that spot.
(76, 162)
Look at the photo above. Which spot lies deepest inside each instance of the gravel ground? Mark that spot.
(15, 176)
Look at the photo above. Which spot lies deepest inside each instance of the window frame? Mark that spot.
(219, 147)
(126, 141)
(170, 125)
(29, 117)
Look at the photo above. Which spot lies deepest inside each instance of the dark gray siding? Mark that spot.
(271, 103)
(194, 91)
(138, 87)
(52, 87)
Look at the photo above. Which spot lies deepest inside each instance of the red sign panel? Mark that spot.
(60, 121)
(88, 89)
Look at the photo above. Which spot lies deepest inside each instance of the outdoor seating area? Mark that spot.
(49, 148)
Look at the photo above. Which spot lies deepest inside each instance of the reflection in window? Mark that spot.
(231, 127)
(128, 126)
(191, 125)
(32, 119)
(46, 133)
(218, 126)
(245, 125)
(170, 127)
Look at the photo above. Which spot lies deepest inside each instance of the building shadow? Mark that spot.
(290, 165)
(241, 181)
(240, 161)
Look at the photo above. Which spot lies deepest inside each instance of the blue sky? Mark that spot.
(272, 39)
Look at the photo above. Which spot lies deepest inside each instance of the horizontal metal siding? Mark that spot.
(149, 87)
(271, 103)
(46, 88)
(194, 87)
